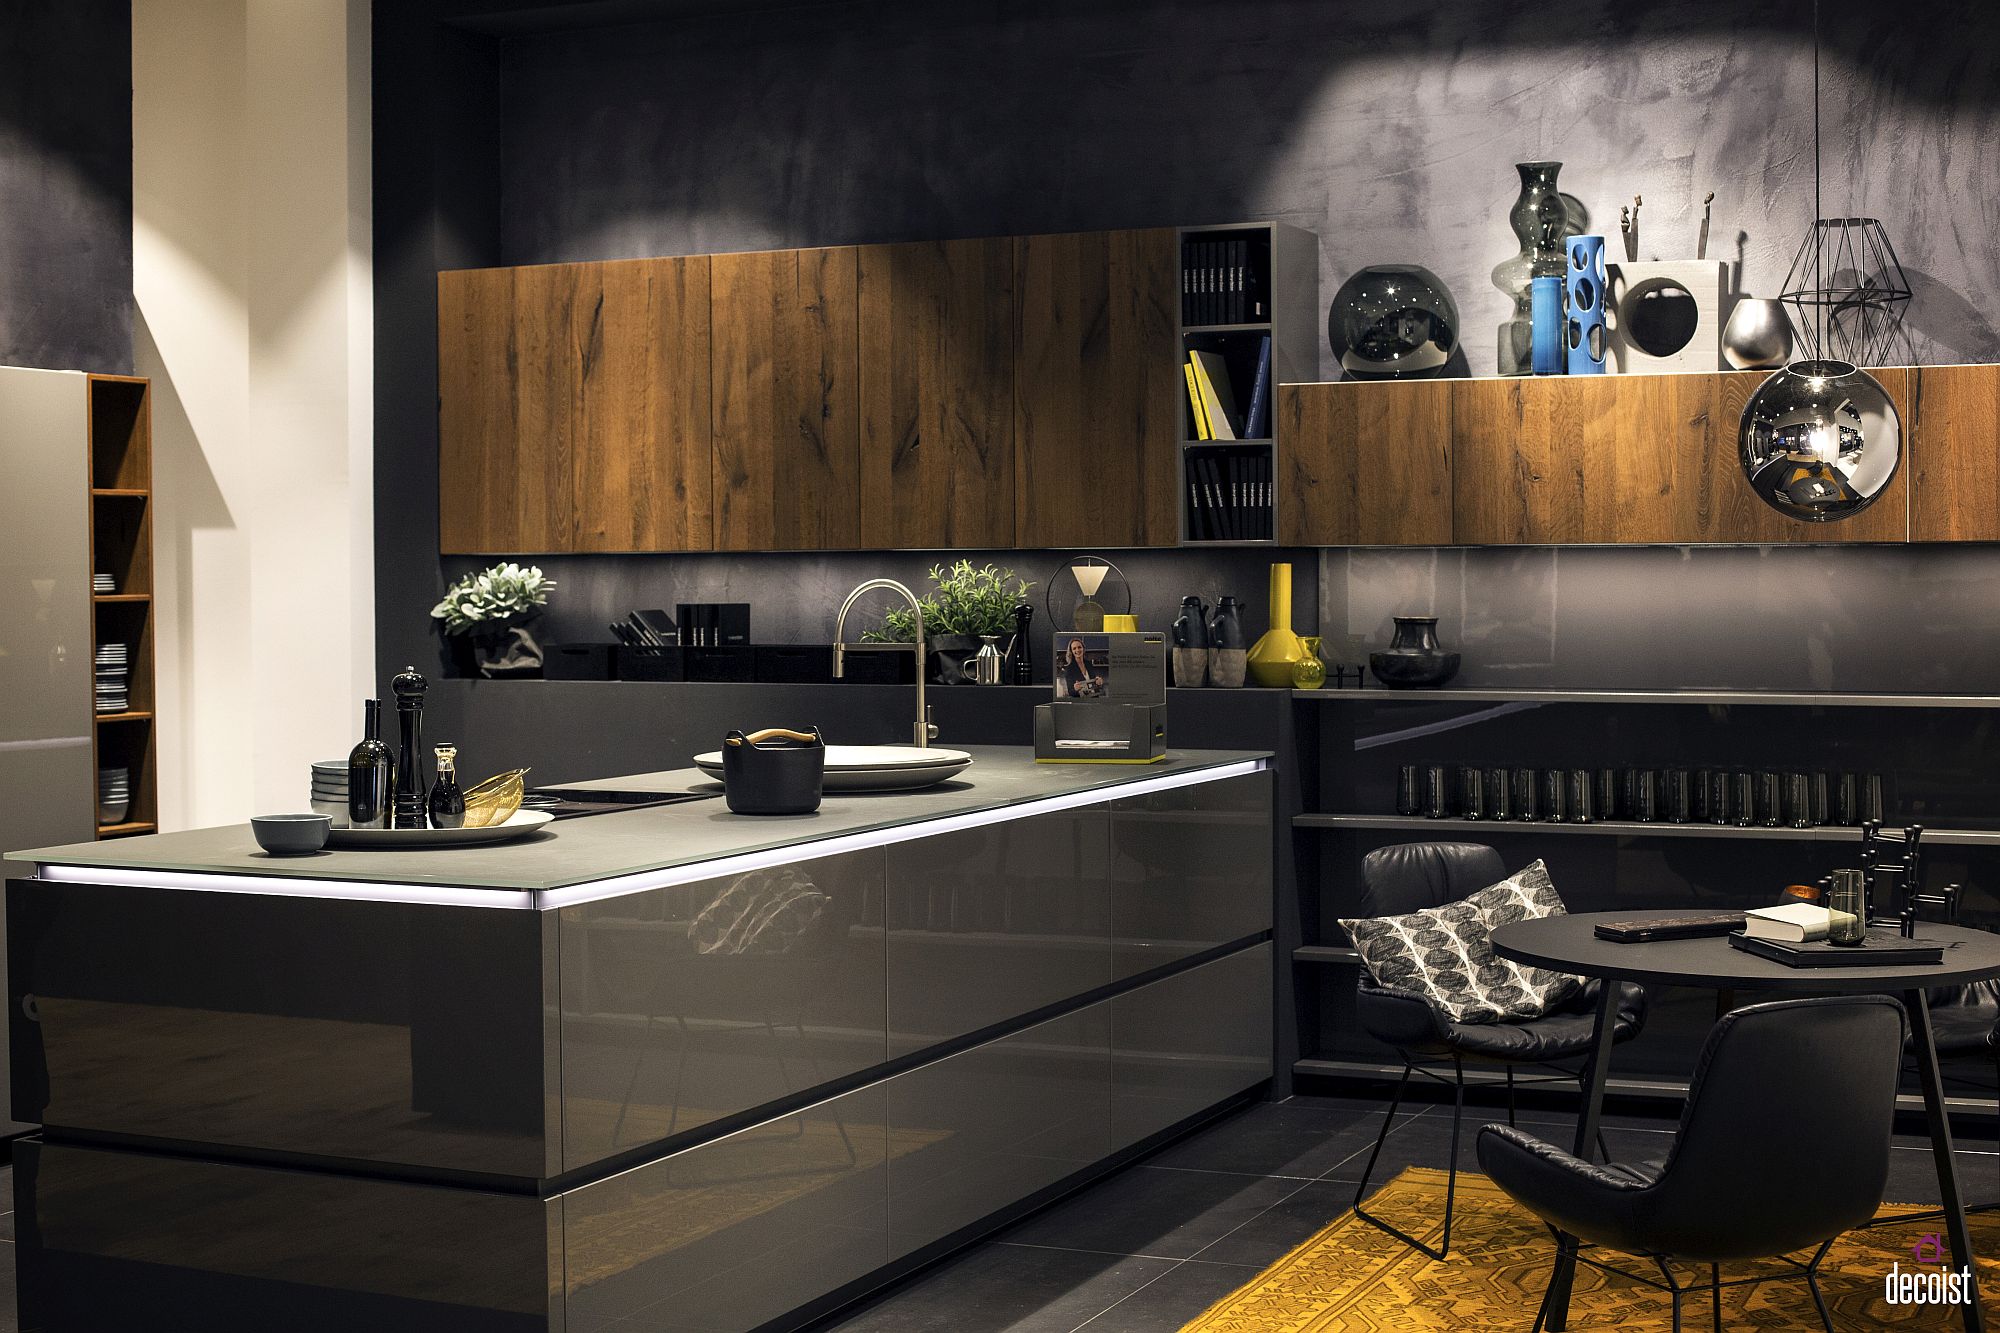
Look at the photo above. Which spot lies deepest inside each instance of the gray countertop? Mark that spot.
(633, 842)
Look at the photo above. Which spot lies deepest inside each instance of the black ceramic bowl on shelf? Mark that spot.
(1402, 669)
(773, 772)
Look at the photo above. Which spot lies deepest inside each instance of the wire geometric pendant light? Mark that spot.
(1846, 277)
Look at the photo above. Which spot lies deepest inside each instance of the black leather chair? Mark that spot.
(1783, 1144)
(1411, 877)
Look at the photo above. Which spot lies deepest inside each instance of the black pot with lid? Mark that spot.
(776, 771)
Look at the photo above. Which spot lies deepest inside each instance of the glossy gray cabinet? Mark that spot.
(378, 1033)
(111, 1240)
(1190, 870)
(731, 1234)
(996, 1123)
(47, 783)
(1183, 1044)
(684, 1005)
(988, 924)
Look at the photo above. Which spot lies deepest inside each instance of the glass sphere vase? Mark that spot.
(1820, 441)
(1392, 322)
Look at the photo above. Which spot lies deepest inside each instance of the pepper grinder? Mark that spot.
(1024, 654)
(411, 789)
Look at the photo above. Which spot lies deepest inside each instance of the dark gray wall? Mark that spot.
(66, 184)
(1390, 130)
(1391, 134)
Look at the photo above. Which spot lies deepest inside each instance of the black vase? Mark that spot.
(1415, 657)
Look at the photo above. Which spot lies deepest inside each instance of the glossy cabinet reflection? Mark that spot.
(1190, 870)
(989, 924)
(736, 1232)
(996, 1123)
(112, 1240)
(687, 1004)
(1185, 1043)
(386, 1033)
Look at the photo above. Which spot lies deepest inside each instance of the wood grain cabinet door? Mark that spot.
(784, 400)
(573, 408)
(1366, 464)
(937, 380)
(1096, 373)
(1954, 461)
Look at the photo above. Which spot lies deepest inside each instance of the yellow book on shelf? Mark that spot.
(1218, 404)
(1201, 430)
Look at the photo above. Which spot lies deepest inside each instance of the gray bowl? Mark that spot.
(291, 835)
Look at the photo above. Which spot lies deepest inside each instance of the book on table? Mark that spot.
(1792, 923)
(1879, 948)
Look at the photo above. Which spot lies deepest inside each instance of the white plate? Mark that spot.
(520, 823)
(873, 767)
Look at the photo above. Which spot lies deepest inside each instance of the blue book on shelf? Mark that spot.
(1257, 421)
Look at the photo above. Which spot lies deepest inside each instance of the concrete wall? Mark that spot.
(1390, 130)
(252, 253)
(66, 184)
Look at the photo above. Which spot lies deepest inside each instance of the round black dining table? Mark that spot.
(1570, 944)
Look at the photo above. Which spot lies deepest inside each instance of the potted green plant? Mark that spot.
(965, 604)
(491, 611)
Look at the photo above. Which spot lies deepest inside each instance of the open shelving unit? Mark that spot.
(1272, 277)
(1931, 749)
(121, 545)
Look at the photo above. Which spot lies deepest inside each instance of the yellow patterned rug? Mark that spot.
(1351, 1278)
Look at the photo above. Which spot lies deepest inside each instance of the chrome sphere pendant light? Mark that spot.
(1820, 440)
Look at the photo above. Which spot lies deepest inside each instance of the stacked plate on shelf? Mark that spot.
(103, 584)
(114, 669)
(114, 794)
(329, 790)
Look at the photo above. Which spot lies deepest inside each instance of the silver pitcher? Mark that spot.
(986, 666)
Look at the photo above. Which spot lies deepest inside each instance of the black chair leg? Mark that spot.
(1542, 1310)
(1715, 1290)
(1812, 1285)
(1510, 1095)
(1451, 1176)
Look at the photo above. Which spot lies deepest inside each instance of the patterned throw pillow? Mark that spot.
(1445, 954)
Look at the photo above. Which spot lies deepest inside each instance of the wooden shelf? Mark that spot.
(136, 715)
(119, 493)
(125, 830)
(121, 597)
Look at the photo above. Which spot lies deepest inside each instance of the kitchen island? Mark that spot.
(668, 1068)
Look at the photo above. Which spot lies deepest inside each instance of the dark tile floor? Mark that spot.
(1151, 1247)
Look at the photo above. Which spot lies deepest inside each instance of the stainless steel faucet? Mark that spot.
(924, 732)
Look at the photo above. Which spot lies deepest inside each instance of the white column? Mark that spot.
(252, 277)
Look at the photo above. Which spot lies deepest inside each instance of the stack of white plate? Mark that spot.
(114, 794)
(114, 669)
(329, 790)
(873, 767)
(103, 584)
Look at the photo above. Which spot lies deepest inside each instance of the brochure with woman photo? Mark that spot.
(1111, 668)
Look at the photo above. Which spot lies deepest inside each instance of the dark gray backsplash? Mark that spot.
(794, 598)
(66, 184)
(1390, 130)
(1897, 619)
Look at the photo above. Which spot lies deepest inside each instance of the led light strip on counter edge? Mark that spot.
(641, 881)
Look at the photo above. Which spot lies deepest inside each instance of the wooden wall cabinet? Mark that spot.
(1613, 459)
(1096, 389)
(573, 404)
(937, 384)
(1955, 495)
(785, 422)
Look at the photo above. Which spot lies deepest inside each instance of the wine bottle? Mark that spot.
(371, 773)
(411, 787)
(447, 802)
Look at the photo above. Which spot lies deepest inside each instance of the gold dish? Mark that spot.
(495, 800)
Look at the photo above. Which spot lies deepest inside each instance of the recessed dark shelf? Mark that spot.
(1703, 698)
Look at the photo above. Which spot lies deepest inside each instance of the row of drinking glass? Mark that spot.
(1642, 795)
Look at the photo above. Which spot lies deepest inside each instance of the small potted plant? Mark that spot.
(490, 611)
(965, 605)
